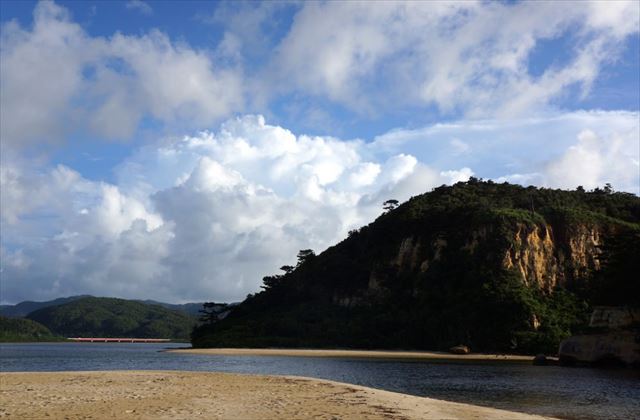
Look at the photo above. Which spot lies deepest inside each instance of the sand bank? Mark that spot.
(379, 354)
(194, 395)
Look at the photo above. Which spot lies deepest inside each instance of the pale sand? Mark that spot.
(375, 354)
(195, 395)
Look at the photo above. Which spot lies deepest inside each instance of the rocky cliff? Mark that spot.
(613, 337)
(495, 266)
(542, 259)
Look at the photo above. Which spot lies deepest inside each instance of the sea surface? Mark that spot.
(570, 393)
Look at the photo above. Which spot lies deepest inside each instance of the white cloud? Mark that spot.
(471, 57)
(57, 80)
(593, 161)
(207, 216)
(448, 58)
(200, 217)
(63, 234)
(461, 175)
(140, 6)
(540, 151)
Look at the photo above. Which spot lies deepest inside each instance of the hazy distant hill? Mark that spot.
(498, 267)
(110, 317)
(20, 330)
(23, 309)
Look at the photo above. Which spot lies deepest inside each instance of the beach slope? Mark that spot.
(359, 354)
(193, 395)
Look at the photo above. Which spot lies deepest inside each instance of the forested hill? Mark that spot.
(498, 267)
(110, 317)
(20, 330)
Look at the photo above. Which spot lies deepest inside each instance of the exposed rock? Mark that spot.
(548, 262)
(592, 349)
(408, 253)
(542, 260)
(620, 343)
(535, 322)
(533, 254)
(460, 349)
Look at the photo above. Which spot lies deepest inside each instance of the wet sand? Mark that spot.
(365, 354)
(195, 395)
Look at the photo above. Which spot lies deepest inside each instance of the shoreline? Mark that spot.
(358, 354)
(187, 395)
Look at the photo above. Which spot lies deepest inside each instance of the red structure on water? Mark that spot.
(118, 340)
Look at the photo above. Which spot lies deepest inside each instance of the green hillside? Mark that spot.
(498, 267)
(110, 317)
(14, 330)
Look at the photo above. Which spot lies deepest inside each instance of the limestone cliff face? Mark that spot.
(535, 256)
(544, 255)
(548, 261)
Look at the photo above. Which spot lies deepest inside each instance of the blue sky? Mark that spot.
(125, 124)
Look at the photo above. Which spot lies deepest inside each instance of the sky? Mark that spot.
(181, 151)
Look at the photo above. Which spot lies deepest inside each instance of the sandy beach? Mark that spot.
(194, 395)
(377, 354)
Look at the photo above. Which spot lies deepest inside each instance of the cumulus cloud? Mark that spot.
(63, 234)
(58, 80)
(593, 161)
(450, 58)
(201, 216)
(470, 57)
(588, 148)
(207, 216)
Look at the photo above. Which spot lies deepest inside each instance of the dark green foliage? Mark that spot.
(618, 282)
(13, 330)
(210, 312)
(390, 205)
(192, 308)
(304, 255)
(109, 317)
(451, 286)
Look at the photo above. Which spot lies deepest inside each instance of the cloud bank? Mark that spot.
(461, 57)
(452, 59)
(58, 81)
(206, 216)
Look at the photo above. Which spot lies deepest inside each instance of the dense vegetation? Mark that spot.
(13, 330)
(110, 317)
(357, 293)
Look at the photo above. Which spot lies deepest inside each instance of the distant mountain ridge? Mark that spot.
(22, 309)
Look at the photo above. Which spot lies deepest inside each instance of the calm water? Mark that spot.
(571, 393)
